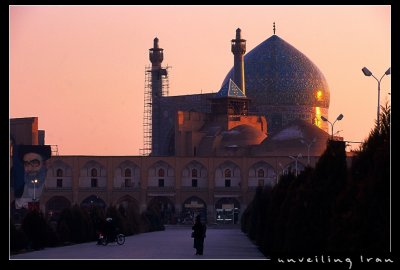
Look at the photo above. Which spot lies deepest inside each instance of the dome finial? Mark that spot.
(274, 28)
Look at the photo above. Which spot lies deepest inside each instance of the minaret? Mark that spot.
(156, 56)
(238, 49)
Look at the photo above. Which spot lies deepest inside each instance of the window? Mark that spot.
(161, 173)
(260, 182)
(93, 182)
(161, 182)
(260, 173)
(59, 183)
(93, 172)
(128, 173)
(128, 182)
(194, 182)
(194, 173)
(227, 182)
(128, 179)
(228, 174)
(59, 173)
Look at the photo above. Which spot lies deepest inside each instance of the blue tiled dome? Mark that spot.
(276, 73)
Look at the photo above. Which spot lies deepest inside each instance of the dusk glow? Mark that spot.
(81, 69)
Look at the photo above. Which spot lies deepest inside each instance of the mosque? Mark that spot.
(207, 152)
(274, 80)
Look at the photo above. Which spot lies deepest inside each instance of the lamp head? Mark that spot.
(323, 118)
(366, 71)
(387, 71)
(340, 117)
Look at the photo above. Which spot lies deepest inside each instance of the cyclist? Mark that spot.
(110, 230)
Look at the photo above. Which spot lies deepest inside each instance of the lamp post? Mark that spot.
(369, 73)
(279, 174)
(308, 148)
(340, 117)
(295, 159)
(34, 182)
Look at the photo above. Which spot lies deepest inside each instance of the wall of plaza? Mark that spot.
(182, 181)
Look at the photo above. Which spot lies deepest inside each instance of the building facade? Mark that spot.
(218, 187)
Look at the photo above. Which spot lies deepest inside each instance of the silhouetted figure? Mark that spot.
(110, 230)
(199, 233)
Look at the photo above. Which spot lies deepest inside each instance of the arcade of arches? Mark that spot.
(179, 188)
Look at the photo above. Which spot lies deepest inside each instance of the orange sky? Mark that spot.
(81, 69)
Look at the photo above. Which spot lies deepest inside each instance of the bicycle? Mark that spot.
(119, 238)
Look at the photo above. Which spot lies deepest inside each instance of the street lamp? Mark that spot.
(34, 182)
(308, 148)
(369, 73)
(340, 117)
(295, 159)
(280, 174)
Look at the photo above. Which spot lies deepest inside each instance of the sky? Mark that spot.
(81, 69)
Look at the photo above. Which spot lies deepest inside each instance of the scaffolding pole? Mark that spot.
(148, 106)
(54, 149)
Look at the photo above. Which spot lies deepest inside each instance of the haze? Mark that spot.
(81, 69)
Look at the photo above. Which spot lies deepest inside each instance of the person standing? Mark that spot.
(110, 230)
(199, 233)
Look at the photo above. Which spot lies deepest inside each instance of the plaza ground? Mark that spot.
(222, 242)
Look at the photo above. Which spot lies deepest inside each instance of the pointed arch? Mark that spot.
(227, 210)
(126, 175)
(261, 173)
(227, 174)
(161, 174)
(192, 207)
(128, 201)
(55, 205)
(93, 175)
(93, 200)
(194, 175)
(59, 175)
(93, 164)
(291, 167)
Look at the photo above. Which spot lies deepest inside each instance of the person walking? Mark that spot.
(199, 233)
